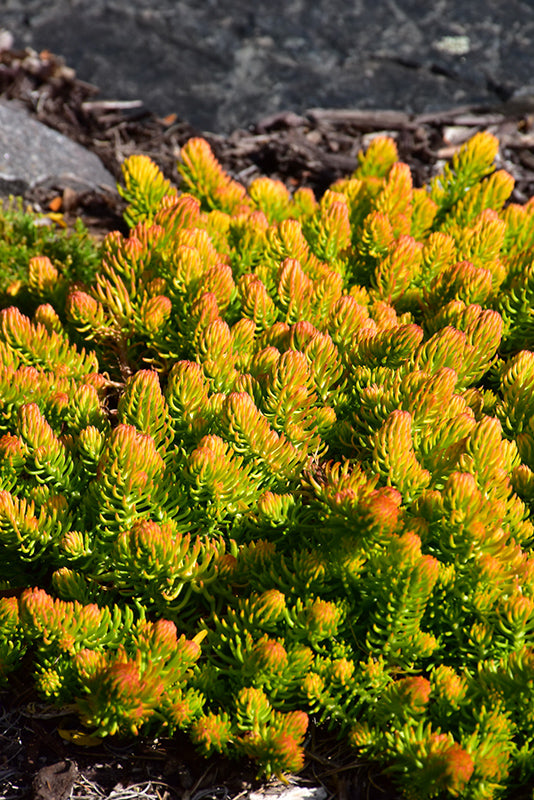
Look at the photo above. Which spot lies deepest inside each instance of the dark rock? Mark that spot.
(222, 64)
(31, 155)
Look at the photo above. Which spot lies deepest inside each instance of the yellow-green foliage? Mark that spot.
(277, 460)
(24, 235)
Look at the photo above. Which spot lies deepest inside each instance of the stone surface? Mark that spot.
(31, 154)
(221, 64)
(290, 793)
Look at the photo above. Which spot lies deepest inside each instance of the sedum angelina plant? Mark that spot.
(276, 463)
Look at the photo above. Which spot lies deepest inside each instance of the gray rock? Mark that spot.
(31, 154)
(221, 64)
(289, 793)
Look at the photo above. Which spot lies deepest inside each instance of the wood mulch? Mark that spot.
(312, 150)
(38, 763)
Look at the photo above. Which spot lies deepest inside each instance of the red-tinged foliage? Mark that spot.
(276, 458)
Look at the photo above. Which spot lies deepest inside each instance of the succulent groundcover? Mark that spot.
(268, 462)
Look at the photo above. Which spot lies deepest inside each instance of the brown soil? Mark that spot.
(311, 150)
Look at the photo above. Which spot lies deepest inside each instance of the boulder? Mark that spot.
(222, 64)
(33, 155)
